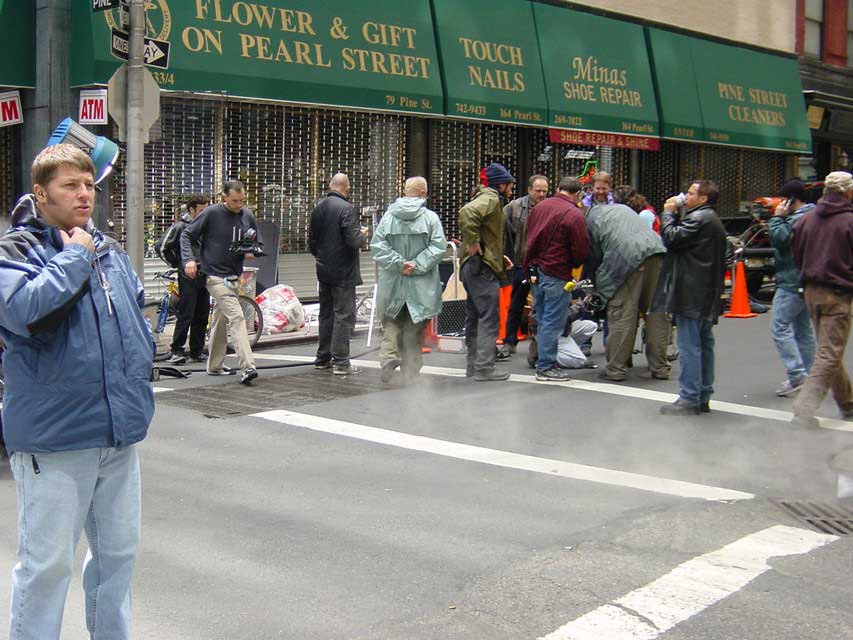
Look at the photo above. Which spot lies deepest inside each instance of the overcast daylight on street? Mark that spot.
(426, 320)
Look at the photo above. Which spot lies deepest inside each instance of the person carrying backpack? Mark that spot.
(193, 298)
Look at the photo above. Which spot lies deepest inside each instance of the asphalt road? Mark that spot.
(472, 511)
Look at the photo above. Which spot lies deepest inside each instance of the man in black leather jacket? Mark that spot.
(335, 237)
(690, 286)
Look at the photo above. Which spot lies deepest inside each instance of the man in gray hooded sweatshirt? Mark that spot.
(408, 243)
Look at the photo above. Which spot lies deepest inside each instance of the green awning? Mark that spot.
(376, 55)
(17, 67)
(597, 73)
(712, 92)
(490, 61)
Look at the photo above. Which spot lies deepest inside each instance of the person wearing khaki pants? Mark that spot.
(227, 318)
(221, 231)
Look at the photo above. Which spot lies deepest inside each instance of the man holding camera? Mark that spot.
(78, 399)
(220, 230)
(557, 242)
(690, 287)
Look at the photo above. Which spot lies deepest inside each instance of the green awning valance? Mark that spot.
(712, 92)
(490, 60)
(597, 73)
(375, 55)
(17, 66)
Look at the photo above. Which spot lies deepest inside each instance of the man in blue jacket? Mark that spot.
(790, 327)
(77, 360)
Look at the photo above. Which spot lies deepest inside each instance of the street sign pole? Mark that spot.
(135, 214)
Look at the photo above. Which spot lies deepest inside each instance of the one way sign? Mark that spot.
(155, 54)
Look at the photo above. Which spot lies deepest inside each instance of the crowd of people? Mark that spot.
(65, 287)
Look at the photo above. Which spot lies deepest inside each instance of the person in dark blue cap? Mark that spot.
(481, 223)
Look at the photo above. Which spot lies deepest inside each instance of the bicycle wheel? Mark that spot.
(254, 319)
(162, 339)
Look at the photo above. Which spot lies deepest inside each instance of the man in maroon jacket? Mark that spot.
(823, 249)
(557, 242)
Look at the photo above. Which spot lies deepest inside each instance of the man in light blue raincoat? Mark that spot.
(407, 245)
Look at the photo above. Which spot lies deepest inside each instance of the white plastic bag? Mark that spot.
(281, 309)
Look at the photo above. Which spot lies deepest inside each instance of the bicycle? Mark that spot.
(161, 316)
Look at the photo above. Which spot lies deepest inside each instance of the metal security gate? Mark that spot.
(457, 152)
(284, 155)
(742, 174)
(9, 159)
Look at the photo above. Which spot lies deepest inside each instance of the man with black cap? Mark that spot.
(481, 224)
(823, 248)
(790, 326)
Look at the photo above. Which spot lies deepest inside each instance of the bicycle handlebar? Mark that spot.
(166, 275)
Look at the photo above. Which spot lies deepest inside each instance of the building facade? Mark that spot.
(283, 98)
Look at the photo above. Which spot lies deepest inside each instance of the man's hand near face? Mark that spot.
(77, 236)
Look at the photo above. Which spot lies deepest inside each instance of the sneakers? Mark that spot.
(491, 376)
(789, 388)
(198, 357)
(606, 376)
(224, 371)
(177, 358)
(505, 350)
(682, 408)
(322, 364)
(553, 374)
(248, 375)
(387, 371)
(345, 370)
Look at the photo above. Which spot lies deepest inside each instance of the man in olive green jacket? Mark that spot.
(481, 223)
(408, 243)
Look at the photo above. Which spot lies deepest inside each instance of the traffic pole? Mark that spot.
(135, 194)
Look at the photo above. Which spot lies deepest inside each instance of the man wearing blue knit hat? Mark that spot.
(481, 224)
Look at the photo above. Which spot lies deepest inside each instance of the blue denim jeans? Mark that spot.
(552, 310)
(696, 359)
(792, 332)
(59, 495)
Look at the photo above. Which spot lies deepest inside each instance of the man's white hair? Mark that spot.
(415, 186)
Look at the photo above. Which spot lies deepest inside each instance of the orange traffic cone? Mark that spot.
(504, 299)
(739, 307)
(430, 336)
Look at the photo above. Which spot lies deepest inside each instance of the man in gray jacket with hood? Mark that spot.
(408, 243)
(626, 257)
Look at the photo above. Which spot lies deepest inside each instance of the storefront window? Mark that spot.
(812, 44)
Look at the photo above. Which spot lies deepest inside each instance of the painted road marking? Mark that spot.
(602, 387)
(654, 609)
(506, 459)
(161, 389)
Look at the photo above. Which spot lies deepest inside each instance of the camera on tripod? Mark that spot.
(247, 242)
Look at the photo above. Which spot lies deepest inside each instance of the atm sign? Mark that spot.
(10, 108)
(93, 106)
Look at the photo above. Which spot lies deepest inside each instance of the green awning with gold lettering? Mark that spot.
(377, 55)
(713, 92)
(490, 61)
(597, 73)
(17, 65)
